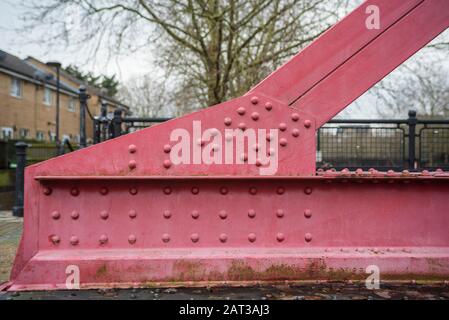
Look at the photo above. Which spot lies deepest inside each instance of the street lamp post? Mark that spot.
(57, 66)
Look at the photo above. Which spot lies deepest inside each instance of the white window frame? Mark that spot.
(47, 95)
(72, 105)
(16, 87)
(40, 135)
(9, 130)
(24, 130)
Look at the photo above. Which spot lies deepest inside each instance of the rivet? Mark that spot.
(167, 164)
(132, 239)
(280, 190)
(132, 214)
(214, 132)
(241, 111)
(195, 214)
(55, 215)
(269, 136)
(223, 214)
(253, 190)
(308, 190)
(165, 237)
(282, 126)
(133, 191)
(195, 190)
(167, 148)
(308, 237)
(307, 213)
(295, 133)
(47, 191)
(252, 237)
(228, 121)
(255, 116)
(132, 164)
(75, 215)
(283, 142)
(167, 214)
(256, 147)
(268, 106)
(104, 191)
(242, 126)
(195, 237)
(103, 239)
(307, 123)
(104, 214)
(280, 213)
(229, 137)
(167, 190)
(254, 100)
(251, 213)
(223, 237)
(244, 157)
(224, 190)
(258, 163)
(74, 240)
(55, 239)
(132, 148)
(295, 117)
(280, 237)
(74, 192)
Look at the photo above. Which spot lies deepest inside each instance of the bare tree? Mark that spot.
(213, 49)
(147, 97)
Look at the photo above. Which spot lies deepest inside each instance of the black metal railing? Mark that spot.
(397, 144)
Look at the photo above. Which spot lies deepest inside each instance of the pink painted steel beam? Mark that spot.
(375, 61)
(332, 49)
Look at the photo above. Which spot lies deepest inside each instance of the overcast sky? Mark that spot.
(12, 42)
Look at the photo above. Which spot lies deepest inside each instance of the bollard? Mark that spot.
(21, 148)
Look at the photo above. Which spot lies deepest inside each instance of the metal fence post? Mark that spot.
(83, 97)
(97, 130)
(412, 121)
(117, 123)
(21, 156)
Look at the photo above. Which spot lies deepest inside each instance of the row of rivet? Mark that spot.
(194, 237)
(223, 214)
(168, 190)
(167, 214)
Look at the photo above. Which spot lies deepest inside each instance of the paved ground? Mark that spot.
(11, 229)
(328, 291)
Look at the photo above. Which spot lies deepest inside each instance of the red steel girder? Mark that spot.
(125, 214)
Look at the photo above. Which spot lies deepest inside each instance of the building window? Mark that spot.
(40, 135)
(47, 96)
(23, 133)
(52, 136)
(72, 105)
(16, 87)
(7, 133)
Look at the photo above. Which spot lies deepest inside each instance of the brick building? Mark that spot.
(28, 101)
